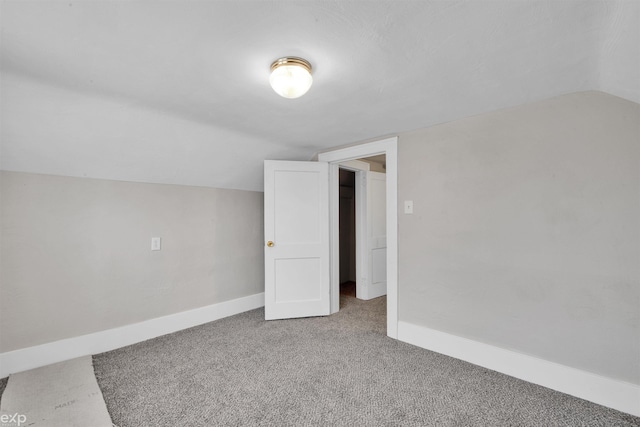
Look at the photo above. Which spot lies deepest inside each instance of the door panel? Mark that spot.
(296, 198)
(298, 206)
(377, 234)
(377, 205)
(379, 266)
(298, 279)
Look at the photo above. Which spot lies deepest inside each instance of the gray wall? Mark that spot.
(76, 258)
(526, 231)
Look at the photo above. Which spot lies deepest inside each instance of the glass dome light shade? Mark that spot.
(291, 77)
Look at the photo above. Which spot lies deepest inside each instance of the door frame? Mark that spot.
(388, 147)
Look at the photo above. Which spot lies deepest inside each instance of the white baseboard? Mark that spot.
(604, 391)
(58, 351)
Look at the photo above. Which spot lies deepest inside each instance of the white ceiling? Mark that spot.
(177, 91)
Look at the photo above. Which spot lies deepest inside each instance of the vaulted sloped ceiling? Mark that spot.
(177, 91)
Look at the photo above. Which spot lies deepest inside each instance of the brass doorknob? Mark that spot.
(270, 243)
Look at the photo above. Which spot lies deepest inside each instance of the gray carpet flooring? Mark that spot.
(339, 370)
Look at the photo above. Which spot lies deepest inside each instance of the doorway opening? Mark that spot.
(342, 158)
(347, 182)
(362, 228)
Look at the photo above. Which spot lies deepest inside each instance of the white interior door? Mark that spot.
(376, 234)
(296, 226)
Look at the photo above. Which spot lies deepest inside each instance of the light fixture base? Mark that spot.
(292, 60)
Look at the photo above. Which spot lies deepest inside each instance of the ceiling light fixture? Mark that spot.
(291, 76)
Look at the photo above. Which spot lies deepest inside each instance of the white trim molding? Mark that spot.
(41, 355)
(355, 165)
(615, 394)
(388, 147)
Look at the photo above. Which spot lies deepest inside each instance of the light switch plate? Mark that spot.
(408, 206)
(156, 243)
